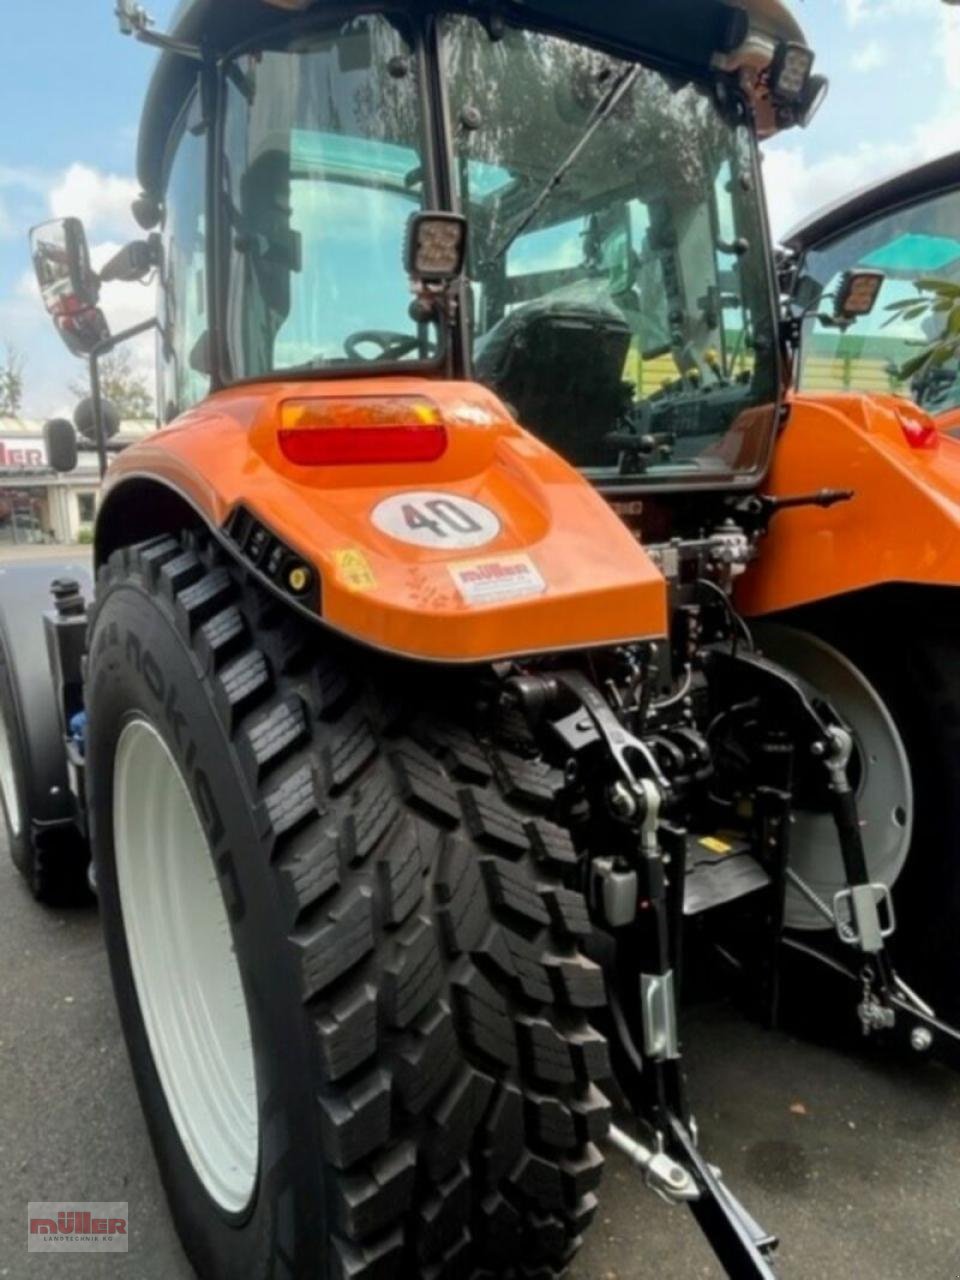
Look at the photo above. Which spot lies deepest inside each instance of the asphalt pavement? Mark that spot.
(854, 1162)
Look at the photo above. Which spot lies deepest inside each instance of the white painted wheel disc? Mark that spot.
(8, 781)
(185, 968)
(884, 782)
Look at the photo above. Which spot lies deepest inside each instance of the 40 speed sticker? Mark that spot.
(497, 579)
(441, 521)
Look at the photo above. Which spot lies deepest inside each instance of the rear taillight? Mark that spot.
(361, 430)
(919, 429)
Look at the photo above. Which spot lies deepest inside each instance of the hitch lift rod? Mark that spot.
(652, 1080)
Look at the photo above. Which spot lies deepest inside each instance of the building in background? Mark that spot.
(36, 503)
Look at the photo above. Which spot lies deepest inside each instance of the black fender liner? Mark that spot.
(24, 598)
(141, 506)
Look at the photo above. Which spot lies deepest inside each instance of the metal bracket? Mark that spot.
(659, 1004)
(619, 741)
(857, 919)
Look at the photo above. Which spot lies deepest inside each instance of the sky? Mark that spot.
(71, 90)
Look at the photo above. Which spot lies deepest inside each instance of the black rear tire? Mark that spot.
(409, 954)
(53, 860)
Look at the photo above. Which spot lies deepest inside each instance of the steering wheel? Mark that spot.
(393, 346)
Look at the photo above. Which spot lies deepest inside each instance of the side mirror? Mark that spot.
(61, 442)
(68, 284)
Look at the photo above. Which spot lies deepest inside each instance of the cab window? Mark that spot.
(909, 245)
(184, 377)
(324, 168)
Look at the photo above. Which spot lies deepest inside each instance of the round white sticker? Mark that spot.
(443, 521)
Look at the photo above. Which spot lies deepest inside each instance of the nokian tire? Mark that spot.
(409, 955)
(53, 860)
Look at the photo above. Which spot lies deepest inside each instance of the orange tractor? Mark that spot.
(490, 639)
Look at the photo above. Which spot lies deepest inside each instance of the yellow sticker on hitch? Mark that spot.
(353, 570)
(713, 845)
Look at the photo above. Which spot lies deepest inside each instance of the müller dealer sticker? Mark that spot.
(497, 579)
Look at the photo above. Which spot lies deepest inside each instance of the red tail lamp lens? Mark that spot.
(361, 430)
(919, 430)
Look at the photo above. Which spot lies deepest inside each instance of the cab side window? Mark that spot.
(911, 245)
(184, 323)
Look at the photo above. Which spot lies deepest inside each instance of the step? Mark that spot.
(720, 869)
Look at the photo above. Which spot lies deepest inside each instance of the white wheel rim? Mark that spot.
(8, 780)
(884, 789)
(185, 968)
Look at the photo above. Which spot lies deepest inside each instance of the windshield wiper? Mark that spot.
(603, 111)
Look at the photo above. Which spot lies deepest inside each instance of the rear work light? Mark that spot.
(919, 430)
(347, 431)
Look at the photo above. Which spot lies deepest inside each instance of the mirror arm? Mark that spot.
(134, 21)
(170, 45)
(96, 397)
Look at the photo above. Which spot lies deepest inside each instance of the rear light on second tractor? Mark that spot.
(361, 430)
(919, 429)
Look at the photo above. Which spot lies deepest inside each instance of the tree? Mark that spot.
(11, 382)
(122, 385)
(940, 299)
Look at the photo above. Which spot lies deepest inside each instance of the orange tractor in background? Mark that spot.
(490, 639)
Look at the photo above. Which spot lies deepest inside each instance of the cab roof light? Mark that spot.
(790, 72)
(350, 431)
(919, 429)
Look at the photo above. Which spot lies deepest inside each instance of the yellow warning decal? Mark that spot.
(714, 845)
(353, 570)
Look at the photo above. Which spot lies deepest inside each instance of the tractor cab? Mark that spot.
(617, 290)
(906, 230)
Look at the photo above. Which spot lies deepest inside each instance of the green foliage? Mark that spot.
(943, 301)
(11, 382)
(85, 537)
(122, 385)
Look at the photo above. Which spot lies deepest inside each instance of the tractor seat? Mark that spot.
(559, 365)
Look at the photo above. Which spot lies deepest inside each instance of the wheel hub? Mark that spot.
(881, 775)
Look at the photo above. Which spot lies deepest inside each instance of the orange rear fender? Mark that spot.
(902, 525)
(497, 548)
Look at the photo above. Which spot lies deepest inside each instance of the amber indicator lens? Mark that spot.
(361, 431)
